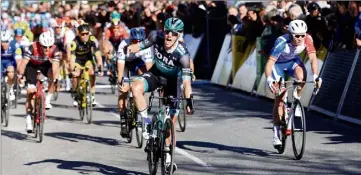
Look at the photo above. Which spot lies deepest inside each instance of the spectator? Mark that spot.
(255, 26)
(147, 20)
(242, 11)
(316, 24)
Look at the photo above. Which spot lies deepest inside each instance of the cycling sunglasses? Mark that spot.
(299, 36)
(135, 41)
(83, 34)
(173, 33)
(46, 47)
(5, 42)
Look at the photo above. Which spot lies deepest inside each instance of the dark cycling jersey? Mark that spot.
(84, 50)
(168, 64)
(35, 54)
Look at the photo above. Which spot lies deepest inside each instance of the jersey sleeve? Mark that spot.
(310, 48)
(147, 55)
(56, 54)
(28, 52)
(185, 64)
(120, 52)
(150, 41)
(278, 48)
(95, 46)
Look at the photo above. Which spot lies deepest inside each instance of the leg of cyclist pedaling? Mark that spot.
(277, 114)
(301, 75)
(50, 88)
(174, 115)
(10, 70)
(138, 89)
(122, 99)
(30, 92)
(92, 81)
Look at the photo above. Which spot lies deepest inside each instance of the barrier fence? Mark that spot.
(241, 65)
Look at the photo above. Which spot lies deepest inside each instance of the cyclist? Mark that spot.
(44, 56)
(171, 62)
(115, 33)
(9, 53)
(20, 41)
(136, 64)
(284, 56)
(80, 51)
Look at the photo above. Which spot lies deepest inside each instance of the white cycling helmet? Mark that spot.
(47, 39)
(6, 35)
(297, 27)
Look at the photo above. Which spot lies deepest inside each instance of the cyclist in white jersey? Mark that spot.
(284, 57)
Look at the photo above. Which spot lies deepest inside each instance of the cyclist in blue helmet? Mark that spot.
(135, 64)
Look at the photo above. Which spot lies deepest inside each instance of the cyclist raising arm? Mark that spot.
(284, 56)
(171, 60)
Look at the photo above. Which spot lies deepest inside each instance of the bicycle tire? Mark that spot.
(168, 124)
(129, 120)
(139, 127)
(112, 87)
(89, 104)
(41, 116)
(7, 106)
(152, 149)
(299, 153)
(182, 121)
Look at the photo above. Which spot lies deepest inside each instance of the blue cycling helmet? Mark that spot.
(137, 33)
(19, 32)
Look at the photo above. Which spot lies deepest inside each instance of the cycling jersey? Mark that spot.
(284, 50)
(34, 53)
(169, 64)
(9, 55)
(114, 38)
(145, 55)
(83, 51)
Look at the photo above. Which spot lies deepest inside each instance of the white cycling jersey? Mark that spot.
(145, 55)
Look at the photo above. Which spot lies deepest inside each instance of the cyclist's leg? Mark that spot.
(10, 68)
(298, 71)
(75, 76)
(91, 72)
(122, 98)
(144, 83)
(51, 71)
(277, 73)
(30, 74)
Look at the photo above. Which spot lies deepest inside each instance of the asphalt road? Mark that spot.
(230, 133)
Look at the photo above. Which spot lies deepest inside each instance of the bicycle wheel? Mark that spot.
(40, 118)
(298, 128)
(89, 106)
(152, 150)
(182, 116)
(56, 92)
(168, 132)
(139, 127)
(6, 105)
(17, 91)
(129, 120)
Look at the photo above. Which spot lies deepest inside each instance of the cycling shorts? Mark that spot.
(31, 71)
(280, 68)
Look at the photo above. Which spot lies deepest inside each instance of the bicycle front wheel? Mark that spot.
(40, 118)
(152, 149)
(167, 153)
(7, 106)
(182, 117)
(298, 129)
(89, 105)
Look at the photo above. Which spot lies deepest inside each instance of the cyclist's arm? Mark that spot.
(97, 52)
(148, 58)
(134, 48)
(311, 52)
(186, 75)
(56, 62)
(278, 48)
(25, 60)
(121, 60)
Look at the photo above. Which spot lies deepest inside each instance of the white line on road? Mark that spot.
(178, 150)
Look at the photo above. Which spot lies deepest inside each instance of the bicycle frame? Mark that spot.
(83, 80)
(39, 94)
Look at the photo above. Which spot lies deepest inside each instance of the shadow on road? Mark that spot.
(186, 145)
(86, 167)
(17, 136)
(245, 106)
(73, 137)
(109, 123)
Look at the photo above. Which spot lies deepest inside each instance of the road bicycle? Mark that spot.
(5, 102)
(39, 114)
(83, 95)
(132, 119)
(293, 121)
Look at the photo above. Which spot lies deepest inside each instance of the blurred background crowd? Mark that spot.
(335, 22)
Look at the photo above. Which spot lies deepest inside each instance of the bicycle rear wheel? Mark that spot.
(298, 128)
(129, 120)
(89, 105)
(168, 131)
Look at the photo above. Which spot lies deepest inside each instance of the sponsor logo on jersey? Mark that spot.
(163, 58)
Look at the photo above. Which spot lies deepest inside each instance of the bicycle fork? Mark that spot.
(288, 114)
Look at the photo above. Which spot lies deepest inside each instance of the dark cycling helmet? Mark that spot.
(84, 28)
(174, 24)
(19, 32)
(137, 33)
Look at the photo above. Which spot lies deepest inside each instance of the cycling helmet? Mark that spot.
(6, 35)
(47, 39)
(297, 27)
(174, 24)
(19, 32)
(84, 28)
(137, 33)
